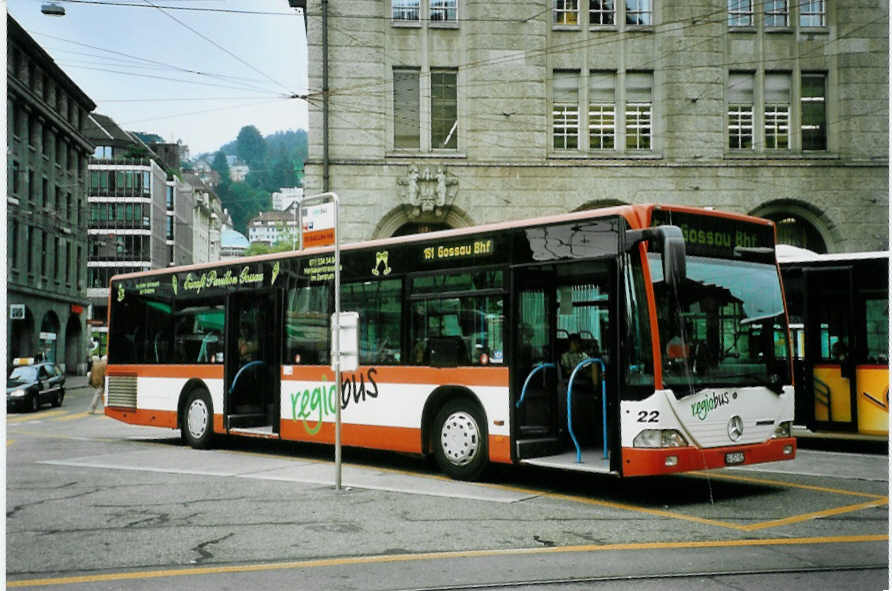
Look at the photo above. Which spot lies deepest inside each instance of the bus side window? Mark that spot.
(307, 317)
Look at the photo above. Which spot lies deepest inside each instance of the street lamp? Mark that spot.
(52, 9)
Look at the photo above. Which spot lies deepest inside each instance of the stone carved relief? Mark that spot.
(428, 191)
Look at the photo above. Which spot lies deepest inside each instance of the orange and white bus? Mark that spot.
(839, 318)
(633, 340)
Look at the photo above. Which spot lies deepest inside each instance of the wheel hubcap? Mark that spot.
(460, 438)
(197, 418)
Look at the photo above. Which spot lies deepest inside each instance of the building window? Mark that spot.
(444, 110)
(740, 111)
(66, 249)
(68, 210)
(29, 249)
(16, 115)
(169, 199)
(32, 130)
(566, 12)
(565, 110)
(740, 13)
(78, 268)
(406, 10)
(814, 124)
(777, 111)
(102, 152)
(43, 268)
(812, 13)
(777, 13)
(170, 227)
(639, 12)
(45, 140)
(14, 244)
(444, 11)
(406, 109)
(45, 193)
(602, 110)
(16, 177)
(601, 12)
(639, 110)
(55, 257)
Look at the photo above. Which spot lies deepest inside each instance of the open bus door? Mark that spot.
(828, 298)
(565, 318)
(253, 360)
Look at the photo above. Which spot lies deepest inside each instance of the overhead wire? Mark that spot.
(220, 47)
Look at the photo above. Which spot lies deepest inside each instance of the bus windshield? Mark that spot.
(725, 328)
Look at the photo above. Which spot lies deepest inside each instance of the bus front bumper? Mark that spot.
(667, 460)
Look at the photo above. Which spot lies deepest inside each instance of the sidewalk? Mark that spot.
(76, 382)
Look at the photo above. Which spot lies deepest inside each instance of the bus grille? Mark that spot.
(122, 391)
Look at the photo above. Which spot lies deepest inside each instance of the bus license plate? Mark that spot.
(734, 457)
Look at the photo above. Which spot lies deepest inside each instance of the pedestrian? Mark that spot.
(97, 381)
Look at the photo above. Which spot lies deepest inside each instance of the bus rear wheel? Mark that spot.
(197, 424)
(460, 440)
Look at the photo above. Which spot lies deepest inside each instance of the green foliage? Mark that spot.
(149, 138)
(275, 161)
(264, 248)
(244, 202)
(251, 147)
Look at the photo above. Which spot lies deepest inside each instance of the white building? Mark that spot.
(274, 226)
(207, 221)
(238, 172)
(286, 197)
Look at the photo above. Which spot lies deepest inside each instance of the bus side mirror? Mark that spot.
(670, 242)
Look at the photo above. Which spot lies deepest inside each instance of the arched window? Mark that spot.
(797, 231)
(420, 228)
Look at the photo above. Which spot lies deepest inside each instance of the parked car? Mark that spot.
(30, 386)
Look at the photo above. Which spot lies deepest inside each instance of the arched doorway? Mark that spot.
(21, 336)
(74, 354)
(800, 224)
(420, 228)
(49, 336)
(399, 222)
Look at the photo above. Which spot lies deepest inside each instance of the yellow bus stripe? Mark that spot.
(386, 558)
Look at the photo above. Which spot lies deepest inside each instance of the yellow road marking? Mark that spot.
(816, 515)
(390, 558)
(837, 491)
(77, 415)
(34, 416)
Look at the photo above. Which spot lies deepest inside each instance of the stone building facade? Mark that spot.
(448, 113)
(46, 206)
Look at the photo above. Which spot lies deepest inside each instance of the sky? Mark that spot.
(131, 61)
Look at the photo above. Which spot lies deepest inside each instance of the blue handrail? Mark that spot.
(584, 363)
(241, 369)
(523, 391)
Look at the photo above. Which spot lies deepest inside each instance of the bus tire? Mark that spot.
(197, 425)
(460, 440)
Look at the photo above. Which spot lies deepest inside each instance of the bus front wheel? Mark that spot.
(197, 425)
(460, 440)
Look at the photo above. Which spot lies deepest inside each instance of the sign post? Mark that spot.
(316, 231)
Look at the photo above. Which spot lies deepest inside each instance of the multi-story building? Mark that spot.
(207, 220)
(274, 226)
(46, 206)
(445, 113)
(285, 197)
(139, 219)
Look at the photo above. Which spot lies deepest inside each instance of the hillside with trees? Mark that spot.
(275, 161)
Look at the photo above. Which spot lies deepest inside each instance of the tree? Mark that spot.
(251, 147)
(221, 166)
(244, 202)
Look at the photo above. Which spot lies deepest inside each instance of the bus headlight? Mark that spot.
(659, 438)
(16, 393)
(783, 430)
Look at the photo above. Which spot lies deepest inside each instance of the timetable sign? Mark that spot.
(317, 225)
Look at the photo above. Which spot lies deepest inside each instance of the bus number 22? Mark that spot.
(648, 416)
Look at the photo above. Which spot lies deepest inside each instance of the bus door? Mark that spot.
(253, 353)
(564, 316)
(534, 363)
(829, 336)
